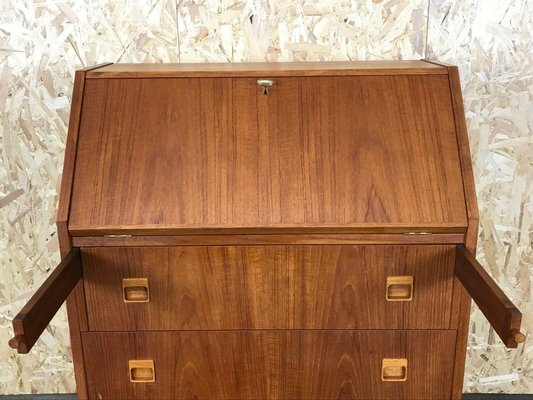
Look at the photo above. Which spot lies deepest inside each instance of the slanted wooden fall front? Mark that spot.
(268, 231)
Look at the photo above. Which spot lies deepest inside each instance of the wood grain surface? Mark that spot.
(270, 364)
(270, 287)
(77, 315)
(37, 313)
(502, 314)
(461, 295)
(283, 239)
(347, 154)
(125, 70)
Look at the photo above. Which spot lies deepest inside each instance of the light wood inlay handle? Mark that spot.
(135, 290)
(141, 371)
(394, 370)
(399, 288)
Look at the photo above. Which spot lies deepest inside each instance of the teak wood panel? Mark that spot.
(332, 154)
(77, 316)
(32, 320)
(270, 364)
(269, 287)
(499, 310)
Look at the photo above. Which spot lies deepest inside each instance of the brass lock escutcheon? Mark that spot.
(265, 84)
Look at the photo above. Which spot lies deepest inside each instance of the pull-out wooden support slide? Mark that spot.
(502, 314)
(31, 321)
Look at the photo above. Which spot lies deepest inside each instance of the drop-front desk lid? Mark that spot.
(331, 148)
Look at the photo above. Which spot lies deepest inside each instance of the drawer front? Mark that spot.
(270, 365)
(269, 287)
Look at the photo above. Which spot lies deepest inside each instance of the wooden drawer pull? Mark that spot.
(399, 288)
(394, 370)
(141, 371)
(135, 290)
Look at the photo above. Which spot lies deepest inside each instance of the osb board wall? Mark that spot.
(43, 42)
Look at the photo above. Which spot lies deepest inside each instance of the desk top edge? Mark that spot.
(162, 70)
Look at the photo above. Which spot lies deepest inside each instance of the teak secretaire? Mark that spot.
(268, 231)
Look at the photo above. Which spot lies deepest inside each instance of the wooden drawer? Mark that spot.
(269, 287)
(270, 364)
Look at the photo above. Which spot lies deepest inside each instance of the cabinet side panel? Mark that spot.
(460, 293)
(71, 147)
(465, 159)
(76, 297)
(77, 313)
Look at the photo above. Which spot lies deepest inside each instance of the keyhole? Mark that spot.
(265, 84)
